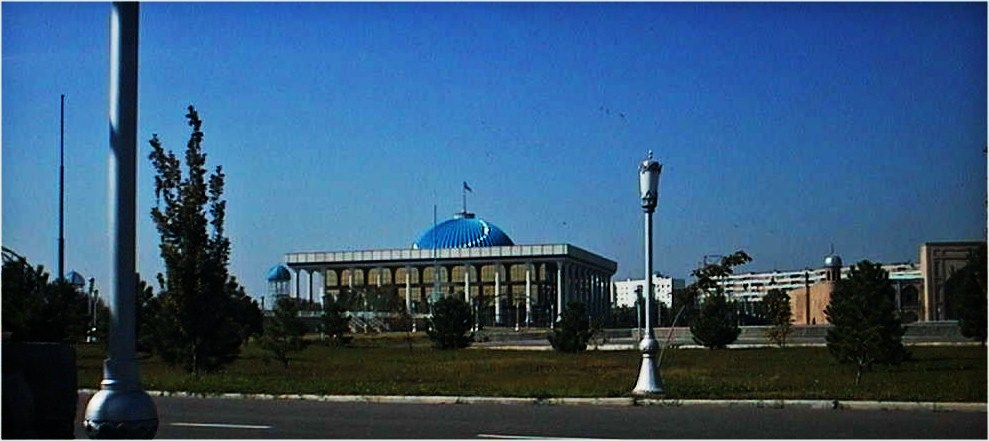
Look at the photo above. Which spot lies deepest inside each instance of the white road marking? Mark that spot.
(221, 425)
(486, 435)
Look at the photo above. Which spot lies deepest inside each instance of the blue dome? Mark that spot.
(463, 231)
(75, 279)
(278, 273)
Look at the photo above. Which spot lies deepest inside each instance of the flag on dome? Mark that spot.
(467, 187)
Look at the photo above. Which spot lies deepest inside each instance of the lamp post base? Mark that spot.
(649, 381)
(114, 414)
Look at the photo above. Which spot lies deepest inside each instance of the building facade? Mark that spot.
(939, 260)
(466, 256)
(811, 284)
(625, 292)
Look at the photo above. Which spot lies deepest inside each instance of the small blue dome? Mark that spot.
(463, 231)
(279, 273)
(75, 279)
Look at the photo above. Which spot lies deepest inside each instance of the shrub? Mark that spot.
(334, 322)
(716, 326)
(574, 329)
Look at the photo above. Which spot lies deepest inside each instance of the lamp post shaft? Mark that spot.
(648, 294)
(121, 409)
(648, 381)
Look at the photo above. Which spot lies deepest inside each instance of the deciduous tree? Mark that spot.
(204, 315)
(776, 305)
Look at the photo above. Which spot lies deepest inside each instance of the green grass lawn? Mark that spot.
(386, 366)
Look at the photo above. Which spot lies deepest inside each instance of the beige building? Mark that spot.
(918, 289)
(807, 304)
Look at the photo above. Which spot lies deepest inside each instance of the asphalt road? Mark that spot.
(241, 418)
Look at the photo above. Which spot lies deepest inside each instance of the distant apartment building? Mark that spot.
(663, 287)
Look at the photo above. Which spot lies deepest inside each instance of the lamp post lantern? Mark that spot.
(649, 381)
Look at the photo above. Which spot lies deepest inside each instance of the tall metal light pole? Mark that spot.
(61, 193)
(649, 381)
(121, 409)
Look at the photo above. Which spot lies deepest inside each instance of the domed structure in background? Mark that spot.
(278, 273)
(279, 279)
(464, 230)
(832, 261)
(832, 267)
(75, 279)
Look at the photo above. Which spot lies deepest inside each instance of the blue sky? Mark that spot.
(783, 128)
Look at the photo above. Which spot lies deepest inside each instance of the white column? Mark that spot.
(408, 291)
(378, 279)
(298, 288)
(311, 275)
(528, 294)
(559, 290)
(350, 281)
(497, 295)
(593, 308)
(467, 283)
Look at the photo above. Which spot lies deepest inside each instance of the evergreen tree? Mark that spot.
(450, 325)
(716, 324)
(776, 305)
(574, 329)
(204, 315)
(334, 322)
(967, 288)
(865, 329)
(283, 331)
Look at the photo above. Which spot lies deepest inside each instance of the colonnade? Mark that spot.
(527, 293)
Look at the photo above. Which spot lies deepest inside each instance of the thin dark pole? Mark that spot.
(61, 195)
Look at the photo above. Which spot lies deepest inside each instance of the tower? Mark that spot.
(278, 282)
(832, 267)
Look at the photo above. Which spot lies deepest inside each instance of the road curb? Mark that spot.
(565, 401)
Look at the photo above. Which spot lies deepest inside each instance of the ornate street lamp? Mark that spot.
(648, 382)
